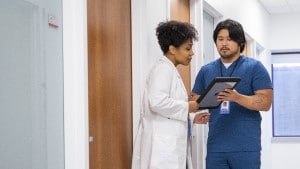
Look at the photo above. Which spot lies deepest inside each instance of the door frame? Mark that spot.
(75, 84)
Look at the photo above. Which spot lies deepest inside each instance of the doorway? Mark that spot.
(109, 79)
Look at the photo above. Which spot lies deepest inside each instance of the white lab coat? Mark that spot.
(162, 138)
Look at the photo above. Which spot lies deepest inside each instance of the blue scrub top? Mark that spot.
(241, 129)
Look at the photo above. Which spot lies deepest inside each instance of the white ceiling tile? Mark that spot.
(281, 6)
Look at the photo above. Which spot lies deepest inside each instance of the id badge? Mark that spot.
(225, 107)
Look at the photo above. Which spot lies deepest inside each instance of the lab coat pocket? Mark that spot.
(168, 152)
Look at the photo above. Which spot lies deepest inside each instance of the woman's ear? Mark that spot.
(172, 49)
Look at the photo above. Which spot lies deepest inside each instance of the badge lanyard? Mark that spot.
(225, 106)
(235, 65)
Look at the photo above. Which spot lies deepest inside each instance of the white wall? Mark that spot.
(284, 35)
(284, 32)
(249, 13)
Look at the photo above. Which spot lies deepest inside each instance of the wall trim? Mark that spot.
(75, 84)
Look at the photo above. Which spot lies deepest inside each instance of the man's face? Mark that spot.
(227, 48)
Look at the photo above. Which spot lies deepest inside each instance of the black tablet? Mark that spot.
(208, 99)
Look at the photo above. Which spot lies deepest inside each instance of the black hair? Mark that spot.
(236, 32)
(174, 33)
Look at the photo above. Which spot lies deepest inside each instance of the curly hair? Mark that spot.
(236, 32)
(174, 33)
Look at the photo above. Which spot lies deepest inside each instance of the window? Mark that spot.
(286, 80)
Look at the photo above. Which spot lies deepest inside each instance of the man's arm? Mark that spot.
(260, 101)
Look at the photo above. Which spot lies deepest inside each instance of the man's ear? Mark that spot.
(172, 49)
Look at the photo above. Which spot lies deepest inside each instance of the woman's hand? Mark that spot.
(202, 118)
(193, 106)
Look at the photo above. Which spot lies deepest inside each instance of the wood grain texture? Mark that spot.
(109, 77)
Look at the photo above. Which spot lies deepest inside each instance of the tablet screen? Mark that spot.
(209, 98)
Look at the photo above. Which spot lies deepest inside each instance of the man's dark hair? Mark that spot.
(236, 32)
(174, 33)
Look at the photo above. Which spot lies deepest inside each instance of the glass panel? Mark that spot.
(208, 41)
(31, 99)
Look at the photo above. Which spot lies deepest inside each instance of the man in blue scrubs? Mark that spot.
(234, 138)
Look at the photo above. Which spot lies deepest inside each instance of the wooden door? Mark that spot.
(180, 10)
(109, 78)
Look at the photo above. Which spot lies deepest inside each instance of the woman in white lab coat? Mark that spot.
(162, 138)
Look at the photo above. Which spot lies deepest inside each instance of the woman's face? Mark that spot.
(227, 48)
(183, 54)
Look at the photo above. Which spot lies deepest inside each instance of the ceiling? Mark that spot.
(281, 6)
